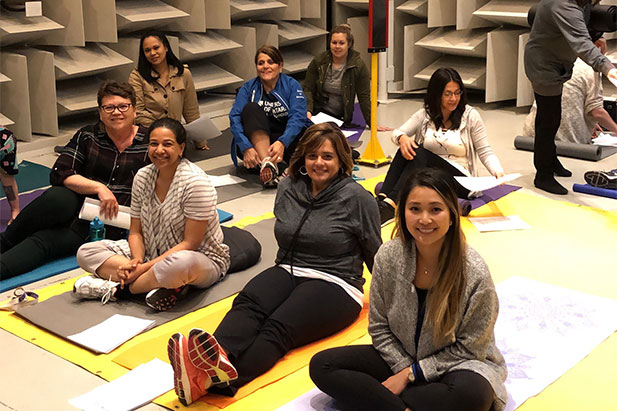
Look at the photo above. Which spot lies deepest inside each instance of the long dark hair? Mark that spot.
(143, 65)
(434, 91)
(444, 300)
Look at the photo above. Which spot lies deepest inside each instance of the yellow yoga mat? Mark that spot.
(568, 245)
(294, 360)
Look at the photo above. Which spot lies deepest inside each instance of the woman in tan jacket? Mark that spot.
(163, 85)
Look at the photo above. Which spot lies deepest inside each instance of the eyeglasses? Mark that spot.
(110, 108)
(448, 94)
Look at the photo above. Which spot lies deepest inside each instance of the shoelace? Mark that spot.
(108, 292)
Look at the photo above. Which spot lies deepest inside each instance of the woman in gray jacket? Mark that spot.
(433, 308)
(326, 227)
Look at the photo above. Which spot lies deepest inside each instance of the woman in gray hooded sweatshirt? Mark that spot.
(326, 227)
(559, 34)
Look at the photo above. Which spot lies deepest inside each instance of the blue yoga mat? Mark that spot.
(62, 265)
(31, 176)
(45, 271)
(587, 189)
(224, 216)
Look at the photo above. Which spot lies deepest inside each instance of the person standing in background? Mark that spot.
(559, 35)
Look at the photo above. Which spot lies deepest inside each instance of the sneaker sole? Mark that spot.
(598, 179)
(206, 354)
(181, 378)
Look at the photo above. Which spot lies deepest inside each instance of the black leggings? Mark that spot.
(548, 119)
(401, 169)
(276, 312)
(353, 375)
(46, 229)
(255, 119)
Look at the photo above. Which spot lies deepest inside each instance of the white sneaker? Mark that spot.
(94, 287)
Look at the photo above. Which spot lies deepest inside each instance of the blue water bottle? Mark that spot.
(97, 230)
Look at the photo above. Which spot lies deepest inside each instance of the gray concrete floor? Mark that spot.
(33, 379)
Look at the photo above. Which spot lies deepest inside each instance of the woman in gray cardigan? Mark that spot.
(433, 308)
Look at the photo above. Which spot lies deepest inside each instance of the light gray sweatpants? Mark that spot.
(175, 270)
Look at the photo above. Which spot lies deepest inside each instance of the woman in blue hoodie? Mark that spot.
(268, 117)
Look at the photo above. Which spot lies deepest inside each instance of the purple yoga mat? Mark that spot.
(24, 200)
(492, 194)
(358, 120)
(487, 196)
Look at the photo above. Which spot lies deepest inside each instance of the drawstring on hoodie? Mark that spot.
(295, 236)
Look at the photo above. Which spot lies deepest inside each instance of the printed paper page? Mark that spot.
(111, 333)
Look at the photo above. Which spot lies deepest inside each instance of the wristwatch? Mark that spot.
(412, 375)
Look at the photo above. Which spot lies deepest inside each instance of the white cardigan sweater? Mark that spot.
(473, 135)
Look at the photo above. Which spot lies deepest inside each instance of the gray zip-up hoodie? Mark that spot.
(559, 35)
(342, 228)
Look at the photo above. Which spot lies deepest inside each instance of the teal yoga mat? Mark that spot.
(30, 177)
(62, 265)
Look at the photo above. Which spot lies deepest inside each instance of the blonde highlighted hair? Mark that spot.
(444, 300)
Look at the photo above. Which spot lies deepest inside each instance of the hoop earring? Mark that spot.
(302, 170)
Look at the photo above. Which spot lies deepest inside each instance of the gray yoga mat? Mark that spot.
(64, 315)
(225, 193)
(219, 146)
(590, 152)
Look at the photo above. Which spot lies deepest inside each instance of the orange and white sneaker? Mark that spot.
(207, 355)
(190, 382)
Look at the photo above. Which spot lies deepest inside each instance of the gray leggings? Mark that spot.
(175, 270)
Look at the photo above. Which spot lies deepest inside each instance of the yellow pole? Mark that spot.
(373, 153)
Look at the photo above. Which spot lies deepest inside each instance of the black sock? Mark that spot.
(548, 183)
(123, 293)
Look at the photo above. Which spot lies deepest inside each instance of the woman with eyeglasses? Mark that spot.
(100, 162)
(163, 85)
(446, 133)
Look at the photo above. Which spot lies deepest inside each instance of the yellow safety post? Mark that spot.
(373, 154)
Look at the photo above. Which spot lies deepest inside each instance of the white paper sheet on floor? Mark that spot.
(111, 333)
(542, 331)
(132, 390)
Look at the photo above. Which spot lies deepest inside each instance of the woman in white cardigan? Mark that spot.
(446, 134)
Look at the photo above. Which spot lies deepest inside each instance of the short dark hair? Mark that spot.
(169, 123)
(432, 101)
(271, 52)
(312, 139)
(346, 30)
(115, 88)
(143, 65)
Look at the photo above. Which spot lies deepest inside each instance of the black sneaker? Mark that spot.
(163, 299)
(602, 179)
(386, 212)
